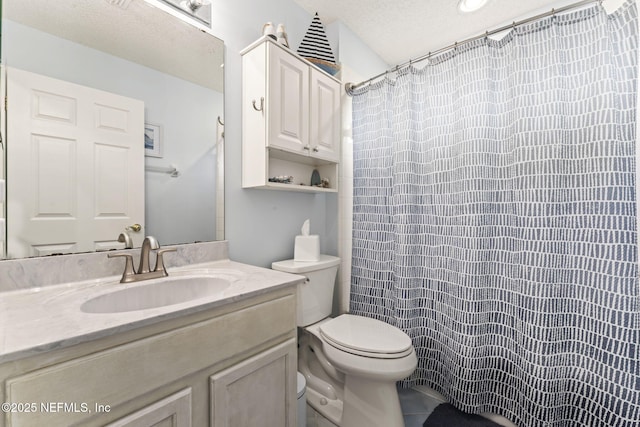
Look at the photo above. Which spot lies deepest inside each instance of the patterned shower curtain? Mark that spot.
(495, 220)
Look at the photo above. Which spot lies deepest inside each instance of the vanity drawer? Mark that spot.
(75, 391)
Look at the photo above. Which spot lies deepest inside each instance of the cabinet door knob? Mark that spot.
(315, 149)
(261, 104)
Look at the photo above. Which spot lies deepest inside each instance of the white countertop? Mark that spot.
(38, 320)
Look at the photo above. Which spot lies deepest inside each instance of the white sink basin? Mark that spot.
(156, 293)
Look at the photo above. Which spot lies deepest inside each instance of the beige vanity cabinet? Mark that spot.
(223, 367)
(291, 118)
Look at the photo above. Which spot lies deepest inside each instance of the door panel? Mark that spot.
(325, 117)
(288, 102)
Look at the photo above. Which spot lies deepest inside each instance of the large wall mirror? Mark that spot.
(116, 67)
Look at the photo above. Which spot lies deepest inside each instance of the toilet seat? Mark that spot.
(366, 337)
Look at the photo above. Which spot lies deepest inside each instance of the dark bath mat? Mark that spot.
(446, 415)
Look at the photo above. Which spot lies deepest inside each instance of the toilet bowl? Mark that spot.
(351, 363)
(302, 400)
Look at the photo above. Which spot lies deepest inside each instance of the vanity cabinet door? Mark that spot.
(172, 411)
(260, 391)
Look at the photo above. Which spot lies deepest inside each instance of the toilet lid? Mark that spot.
(365, 336)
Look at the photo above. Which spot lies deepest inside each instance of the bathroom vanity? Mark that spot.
(224, 359)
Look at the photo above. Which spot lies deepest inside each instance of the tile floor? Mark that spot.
(314, 419)
(416, 407)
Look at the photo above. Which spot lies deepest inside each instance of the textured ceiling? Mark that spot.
(399, 30)
(136, 31)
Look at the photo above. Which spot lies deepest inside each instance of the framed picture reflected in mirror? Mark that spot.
(152, 140)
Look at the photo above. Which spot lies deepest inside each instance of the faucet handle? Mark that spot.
(129, 272)
(160, 260)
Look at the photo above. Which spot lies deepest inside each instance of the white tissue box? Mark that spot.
(307, 248)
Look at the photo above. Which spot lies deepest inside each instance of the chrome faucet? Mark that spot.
(149, 243)
(131, 275)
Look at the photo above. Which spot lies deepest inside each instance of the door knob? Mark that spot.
(135, 228)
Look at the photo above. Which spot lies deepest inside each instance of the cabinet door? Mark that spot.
(325, 120)
(260, 391)
(287, 101)
(174, 410)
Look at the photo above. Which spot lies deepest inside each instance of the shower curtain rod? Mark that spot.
(350, 87)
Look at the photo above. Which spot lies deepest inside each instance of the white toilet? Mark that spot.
(351, 363)
(302, 400)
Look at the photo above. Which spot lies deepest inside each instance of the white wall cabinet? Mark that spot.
(174, 373)
(291, 119)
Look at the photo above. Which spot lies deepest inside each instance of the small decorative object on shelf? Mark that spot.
(276, 33)
(316, 49)
(324, 183)
(281, 35)
(315, 178)
(282, 179)
(269, 30)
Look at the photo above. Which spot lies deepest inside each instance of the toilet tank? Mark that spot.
(315, 295)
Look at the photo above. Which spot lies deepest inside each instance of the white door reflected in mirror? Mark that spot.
(76, 179)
